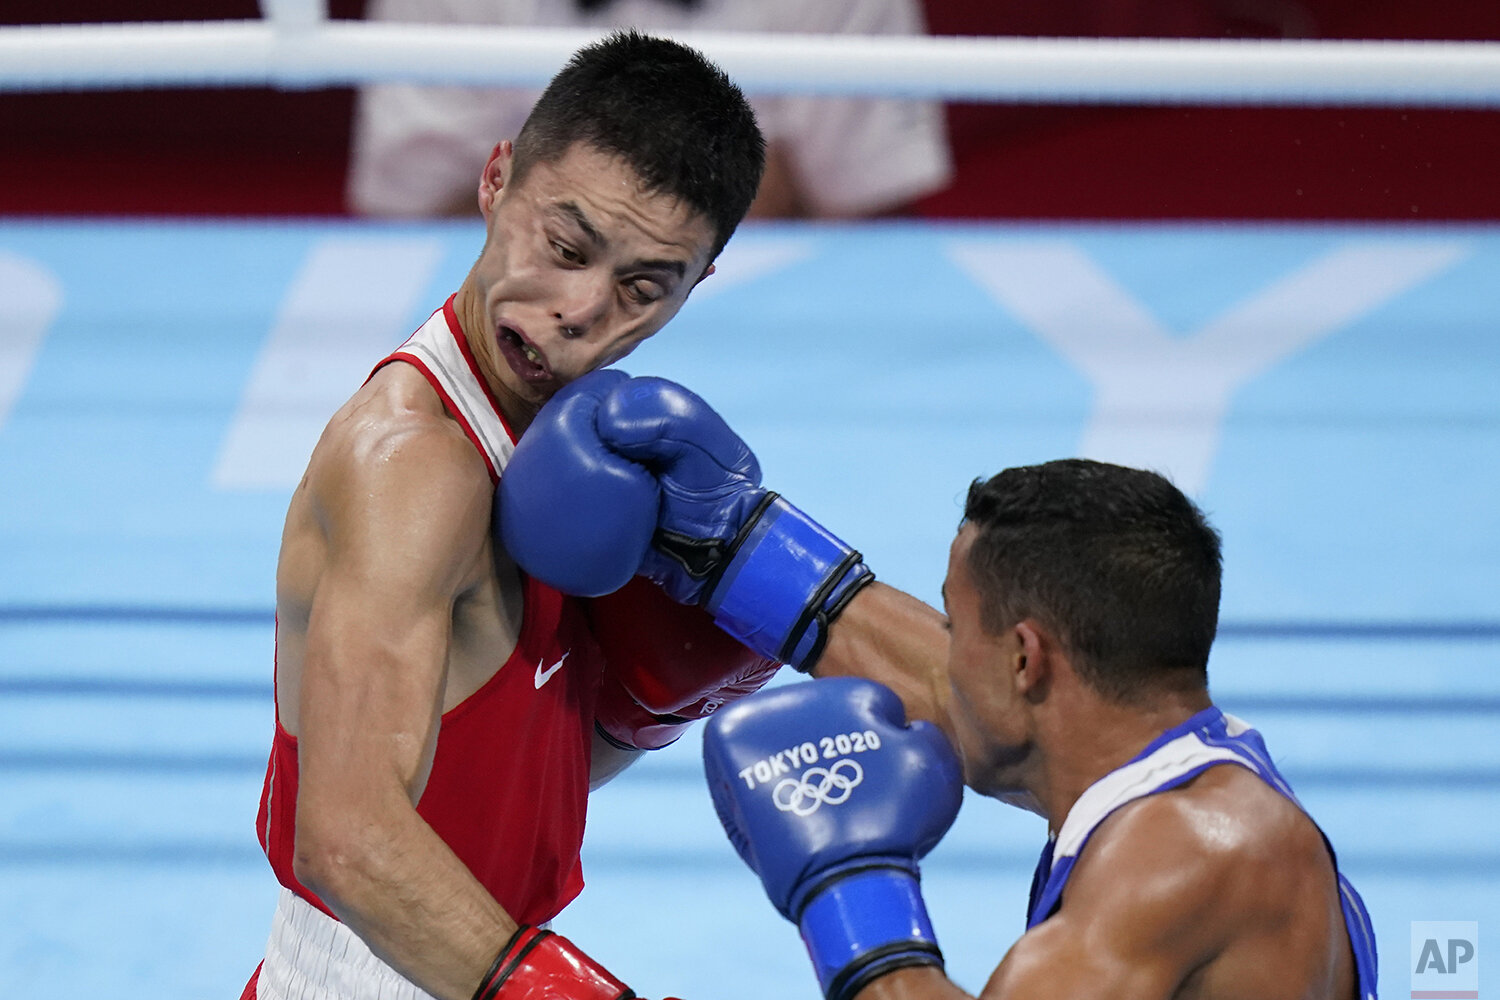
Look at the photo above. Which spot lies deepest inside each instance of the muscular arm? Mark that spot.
(1064, 957)
(888, 636)
(404, 517)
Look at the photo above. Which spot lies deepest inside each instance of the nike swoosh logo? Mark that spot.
(542, 676)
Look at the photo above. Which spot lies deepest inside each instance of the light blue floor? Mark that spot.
(1331, 396)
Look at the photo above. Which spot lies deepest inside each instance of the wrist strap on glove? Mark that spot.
(536, 964)
(866, 922)
(648, 732)
(786, 579)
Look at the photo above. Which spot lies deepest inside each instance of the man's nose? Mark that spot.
(585, 302)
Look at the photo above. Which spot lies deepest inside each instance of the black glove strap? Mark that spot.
(816, 612)
(665, 720)
(707, 558)
(505, 963)
(900, 955)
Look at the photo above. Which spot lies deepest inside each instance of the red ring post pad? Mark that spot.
(865, 923)
(788, 578)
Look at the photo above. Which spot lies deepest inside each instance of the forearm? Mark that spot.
(608, 761)
(403, 891)
(364, 849)
(891, 637)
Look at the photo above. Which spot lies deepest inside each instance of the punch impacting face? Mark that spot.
(580, 265)
(620, 477)
(632, 172)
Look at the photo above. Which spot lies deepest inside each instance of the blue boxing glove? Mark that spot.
(570, 511)
(770, 576)
(832, 799)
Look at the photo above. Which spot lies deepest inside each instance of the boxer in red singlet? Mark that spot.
(440, 717)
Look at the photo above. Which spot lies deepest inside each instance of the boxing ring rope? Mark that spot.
(298, 46)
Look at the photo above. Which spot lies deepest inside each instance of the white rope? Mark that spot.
(293, 14)
(299, 48)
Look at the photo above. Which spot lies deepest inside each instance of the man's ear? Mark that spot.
(1034, 652)
(497, 171)
(707, 272)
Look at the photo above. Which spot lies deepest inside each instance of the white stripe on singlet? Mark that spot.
(1135, 780)
(435, 346)
(311, 956)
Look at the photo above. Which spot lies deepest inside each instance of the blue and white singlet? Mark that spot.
(1173, 758)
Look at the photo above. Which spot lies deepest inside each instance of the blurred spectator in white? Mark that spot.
(417, 151)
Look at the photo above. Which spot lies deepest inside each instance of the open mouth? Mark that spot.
(524, 359)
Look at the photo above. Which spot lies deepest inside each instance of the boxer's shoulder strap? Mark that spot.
(441, 352)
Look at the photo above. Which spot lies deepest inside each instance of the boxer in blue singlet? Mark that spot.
(1070, 674)
(1082, 600)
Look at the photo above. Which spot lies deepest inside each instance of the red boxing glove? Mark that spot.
(622, 720)
(539, 965)
(667, 665)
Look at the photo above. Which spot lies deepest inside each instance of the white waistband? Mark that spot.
(311, 956)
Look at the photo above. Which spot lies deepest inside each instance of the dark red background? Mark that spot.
(268, 152)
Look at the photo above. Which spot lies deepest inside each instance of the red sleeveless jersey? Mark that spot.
(509, 783)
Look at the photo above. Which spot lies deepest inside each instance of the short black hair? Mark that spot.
(1116, 562)
(680, 123)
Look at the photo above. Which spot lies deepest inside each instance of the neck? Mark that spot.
(1096, 736)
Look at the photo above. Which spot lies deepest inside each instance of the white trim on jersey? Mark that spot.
(436, 347)
(1133, 781)
(1234, 725)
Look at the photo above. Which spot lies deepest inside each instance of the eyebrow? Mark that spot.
(572, 211)
(675, 267)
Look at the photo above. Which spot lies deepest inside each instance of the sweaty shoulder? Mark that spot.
(1226, 882)
(393, 478)
(394, 425)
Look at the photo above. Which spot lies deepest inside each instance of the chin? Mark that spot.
(1021, 799)
(994, 786)
(996, 776)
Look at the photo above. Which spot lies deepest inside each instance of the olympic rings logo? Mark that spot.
(818, 786)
